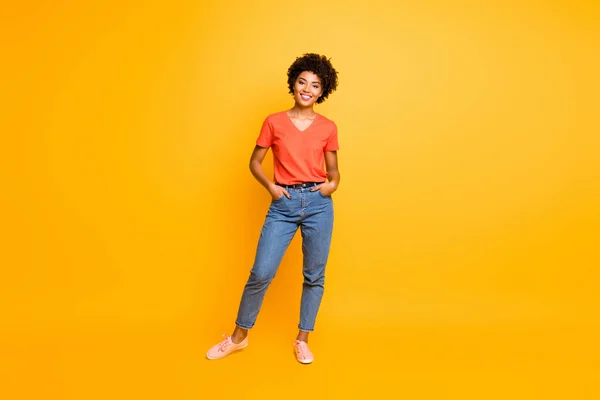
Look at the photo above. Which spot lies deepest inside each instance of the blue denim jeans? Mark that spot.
(313, 214)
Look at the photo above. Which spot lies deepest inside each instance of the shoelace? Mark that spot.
(225, 343)
(300, 347)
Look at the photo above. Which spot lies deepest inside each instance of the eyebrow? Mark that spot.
(311, 82)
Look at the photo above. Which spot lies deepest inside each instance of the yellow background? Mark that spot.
(465, 255)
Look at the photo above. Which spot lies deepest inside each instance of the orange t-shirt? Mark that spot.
(298, 156)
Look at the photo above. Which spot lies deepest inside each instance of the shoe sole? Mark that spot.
(218, 358)
(303, 361)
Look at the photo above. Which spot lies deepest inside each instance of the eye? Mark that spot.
(315, 86)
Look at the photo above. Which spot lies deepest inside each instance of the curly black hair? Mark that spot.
(318, 65)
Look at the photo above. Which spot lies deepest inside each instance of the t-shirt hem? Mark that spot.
(262, 144)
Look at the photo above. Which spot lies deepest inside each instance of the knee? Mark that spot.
(260, 277)
(316, 278)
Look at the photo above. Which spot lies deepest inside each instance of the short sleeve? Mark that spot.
(332, 140)
(265, 138)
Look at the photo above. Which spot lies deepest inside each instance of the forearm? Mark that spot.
(333, 176)
(259, 174)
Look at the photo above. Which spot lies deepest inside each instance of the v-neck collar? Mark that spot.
(294, 125)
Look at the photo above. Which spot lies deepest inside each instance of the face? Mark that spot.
(307, 89)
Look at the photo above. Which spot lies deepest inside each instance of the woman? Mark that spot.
(302, 142)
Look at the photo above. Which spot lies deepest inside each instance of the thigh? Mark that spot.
(275, 236)
(317, 229)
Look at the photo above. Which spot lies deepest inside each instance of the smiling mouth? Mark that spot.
(305, 97)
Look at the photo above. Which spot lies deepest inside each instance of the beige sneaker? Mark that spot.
(303, 353)
(225, 347)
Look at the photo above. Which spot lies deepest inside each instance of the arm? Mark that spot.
(333, 174)
(256, 159)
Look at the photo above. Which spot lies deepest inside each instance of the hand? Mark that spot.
(278, 192)
(326, 188)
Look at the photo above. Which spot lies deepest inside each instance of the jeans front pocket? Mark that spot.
(322, 195)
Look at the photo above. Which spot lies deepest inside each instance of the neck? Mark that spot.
(303, 112)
